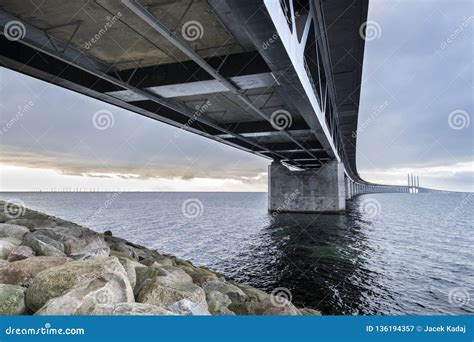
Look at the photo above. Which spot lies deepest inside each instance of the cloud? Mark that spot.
(422, 81)
(69, 164)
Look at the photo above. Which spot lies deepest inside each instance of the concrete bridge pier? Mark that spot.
(308, 191)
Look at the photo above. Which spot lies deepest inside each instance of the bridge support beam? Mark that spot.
(309, 191)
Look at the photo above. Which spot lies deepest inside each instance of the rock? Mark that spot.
(23, 271)
(130, 265)
(106, 289)
(269, 307)
(55, 281)
(158, 261)
(188, 308)
(181, 262)
(224, 312)
(130, 309)
(253, 294)
(7, 244)
(82, 243)
(108, 233)
(39, 219)
(217, 300)
(4, 218)
(163, 261)
(236, 295)
(124, 249)
(133, 250)
(164, 291)
(13, 230)
(3, 263)
(44, 243)
(22, 222)
(20, 253)
(12, 300)
(142, 252)
(174, 274)
(198, 274)
(145, 273)
(309, 312)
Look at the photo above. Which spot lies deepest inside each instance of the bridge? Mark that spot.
(280, 79)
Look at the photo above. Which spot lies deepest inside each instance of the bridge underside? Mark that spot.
(250, 62)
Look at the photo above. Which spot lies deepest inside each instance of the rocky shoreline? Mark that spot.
(49, 266)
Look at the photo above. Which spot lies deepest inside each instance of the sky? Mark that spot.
(415, 112)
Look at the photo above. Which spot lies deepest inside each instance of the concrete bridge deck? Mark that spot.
(280, 79)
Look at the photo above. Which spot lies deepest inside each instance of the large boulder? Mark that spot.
(12, 300)
(199, 274)
(175, 274)
(130, 249)
(3, 217)
(143, 274)
(271, 307)
(20, 253)
(123, 249)
(82, 243)
(23, 271)
(236, 295)
(185, 307)
(164, 291)
(22, 222)
(13, 230)
(7, 244)
(158, 261)
(44, 242)
(130, 309)
(55, 281)
(130, 265)
(309, 312)
(106, 289)
(172, 273)
(216, 301)
(224, 312)
(253, 294)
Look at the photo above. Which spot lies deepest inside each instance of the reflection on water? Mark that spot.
(388, 254)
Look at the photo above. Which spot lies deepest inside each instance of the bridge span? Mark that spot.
(277, 78)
